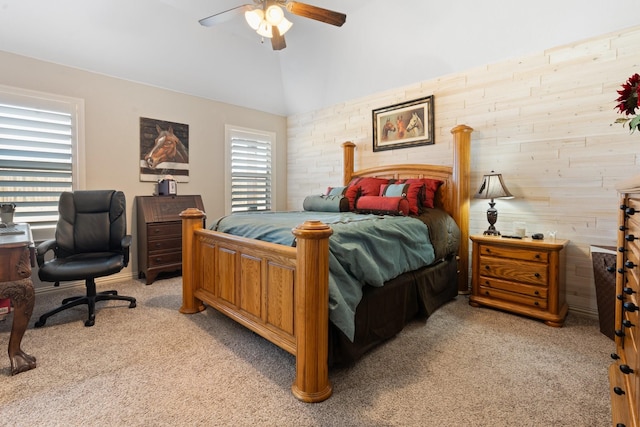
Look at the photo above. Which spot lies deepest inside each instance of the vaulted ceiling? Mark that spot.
(383, 44)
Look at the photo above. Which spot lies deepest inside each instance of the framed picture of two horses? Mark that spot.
(164, 150)
(403, 125)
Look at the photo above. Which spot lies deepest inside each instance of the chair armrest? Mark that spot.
(43, 248)
(126, 243)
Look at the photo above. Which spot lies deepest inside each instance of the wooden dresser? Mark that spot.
(522, 276)
(624, 372)
(160, 233)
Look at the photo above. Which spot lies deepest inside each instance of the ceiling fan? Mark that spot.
(267, 18)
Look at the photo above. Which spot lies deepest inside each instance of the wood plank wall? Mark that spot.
(545, 121)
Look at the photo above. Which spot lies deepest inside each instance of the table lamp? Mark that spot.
(493, 188)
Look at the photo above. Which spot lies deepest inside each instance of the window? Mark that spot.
(39, 155)
(249, 175)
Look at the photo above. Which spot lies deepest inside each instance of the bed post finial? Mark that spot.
(348, 162)
(462, 179)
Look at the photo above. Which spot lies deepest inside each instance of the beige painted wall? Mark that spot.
(113, 109)
(545, 121)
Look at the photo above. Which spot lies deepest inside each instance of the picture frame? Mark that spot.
(164, 150)
(403, 125)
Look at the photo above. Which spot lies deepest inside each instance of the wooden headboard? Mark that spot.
(453, 196)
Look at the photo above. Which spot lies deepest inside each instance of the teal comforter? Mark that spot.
(363, 249)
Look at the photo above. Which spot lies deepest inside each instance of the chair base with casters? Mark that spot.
(90, 299)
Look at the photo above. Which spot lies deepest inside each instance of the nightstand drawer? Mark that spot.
(514, 271)
(514, 253)
(513, 297)
(161, 231)
(165, 258)
(519, 288)
(172, 244)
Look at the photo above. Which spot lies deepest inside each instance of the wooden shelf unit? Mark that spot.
(160, 233)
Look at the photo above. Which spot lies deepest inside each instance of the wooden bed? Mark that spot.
(281, 292)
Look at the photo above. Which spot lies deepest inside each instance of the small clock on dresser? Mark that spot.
(523, 276)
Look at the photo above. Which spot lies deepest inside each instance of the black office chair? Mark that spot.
(91, 241)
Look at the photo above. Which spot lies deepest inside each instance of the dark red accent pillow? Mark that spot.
(382, 205)
(428, 197)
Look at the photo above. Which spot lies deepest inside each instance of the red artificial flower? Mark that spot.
(629, 98)
(628, 101)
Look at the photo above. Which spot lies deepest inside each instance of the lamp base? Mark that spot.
(491, 232)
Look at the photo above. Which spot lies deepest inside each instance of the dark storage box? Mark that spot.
(604, 275)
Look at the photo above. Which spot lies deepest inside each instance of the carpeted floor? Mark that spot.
(152, 366)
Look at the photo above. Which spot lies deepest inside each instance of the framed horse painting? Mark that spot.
(164, 150)
(408, 124)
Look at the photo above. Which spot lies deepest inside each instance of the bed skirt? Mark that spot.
(383, 312)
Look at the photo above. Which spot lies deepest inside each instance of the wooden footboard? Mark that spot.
(279, 292)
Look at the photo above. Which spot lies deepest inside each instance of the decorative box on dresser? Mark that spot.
(522, 276)
(160, 233)
(624, 372)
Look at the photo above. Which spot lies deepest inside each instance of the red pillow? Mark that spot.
(382, 205)
(414, 194)
(363, 187)
(430, 188)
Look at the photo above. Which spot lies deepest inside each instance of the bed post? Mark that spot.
(347, 161)
(311, 316)
(192, 219)
(462, 181)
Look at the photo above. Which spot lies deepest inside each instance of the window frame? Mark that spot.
(233, 131)
(70, 105)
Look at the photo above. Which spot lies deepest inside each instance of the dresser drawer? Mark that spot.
(519, 288)
(513, 297)
(526, 272)
(164, 230)
(162, 259)
(514, 253)
(163, 245)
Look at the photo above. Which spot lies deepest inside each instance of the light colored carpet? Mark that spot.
(152, 366)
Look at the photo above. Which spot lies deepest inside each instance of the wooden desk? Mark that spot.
(17, 256)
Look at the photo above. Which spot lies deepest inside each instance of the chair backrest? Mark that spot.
(91, 221)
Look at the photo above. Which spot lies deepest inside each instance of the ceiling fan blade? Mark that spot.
(277, 40)
(319, 14)
(220, 17)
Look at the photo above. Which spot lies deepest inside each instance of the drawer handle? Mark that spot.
(618, 391)
(537, 275)
(628, 291)
(536, 303)
(537, 256)
(615, 356)
(630, 237)
(486, 293)
(619, 333)
(626, 369)
(486, 282)
(627, 323)
(630, 211)
(537, 292)
(630, 307)
(158, 259)
(487, 267)
(629, 264)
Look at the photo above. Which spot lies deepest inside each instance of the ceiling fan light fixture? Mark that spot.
(274, 14)
(284, 26)
(254, 18)
(264, 29)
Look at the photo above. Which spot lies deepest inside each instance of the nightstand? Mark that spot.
(522, 276)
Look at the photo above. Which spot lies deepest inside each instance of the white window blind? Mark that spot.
(250, 164)
(37, 149)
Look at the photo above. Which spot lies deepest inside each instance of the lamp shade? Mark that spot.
(254, 17)
(493, 187)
